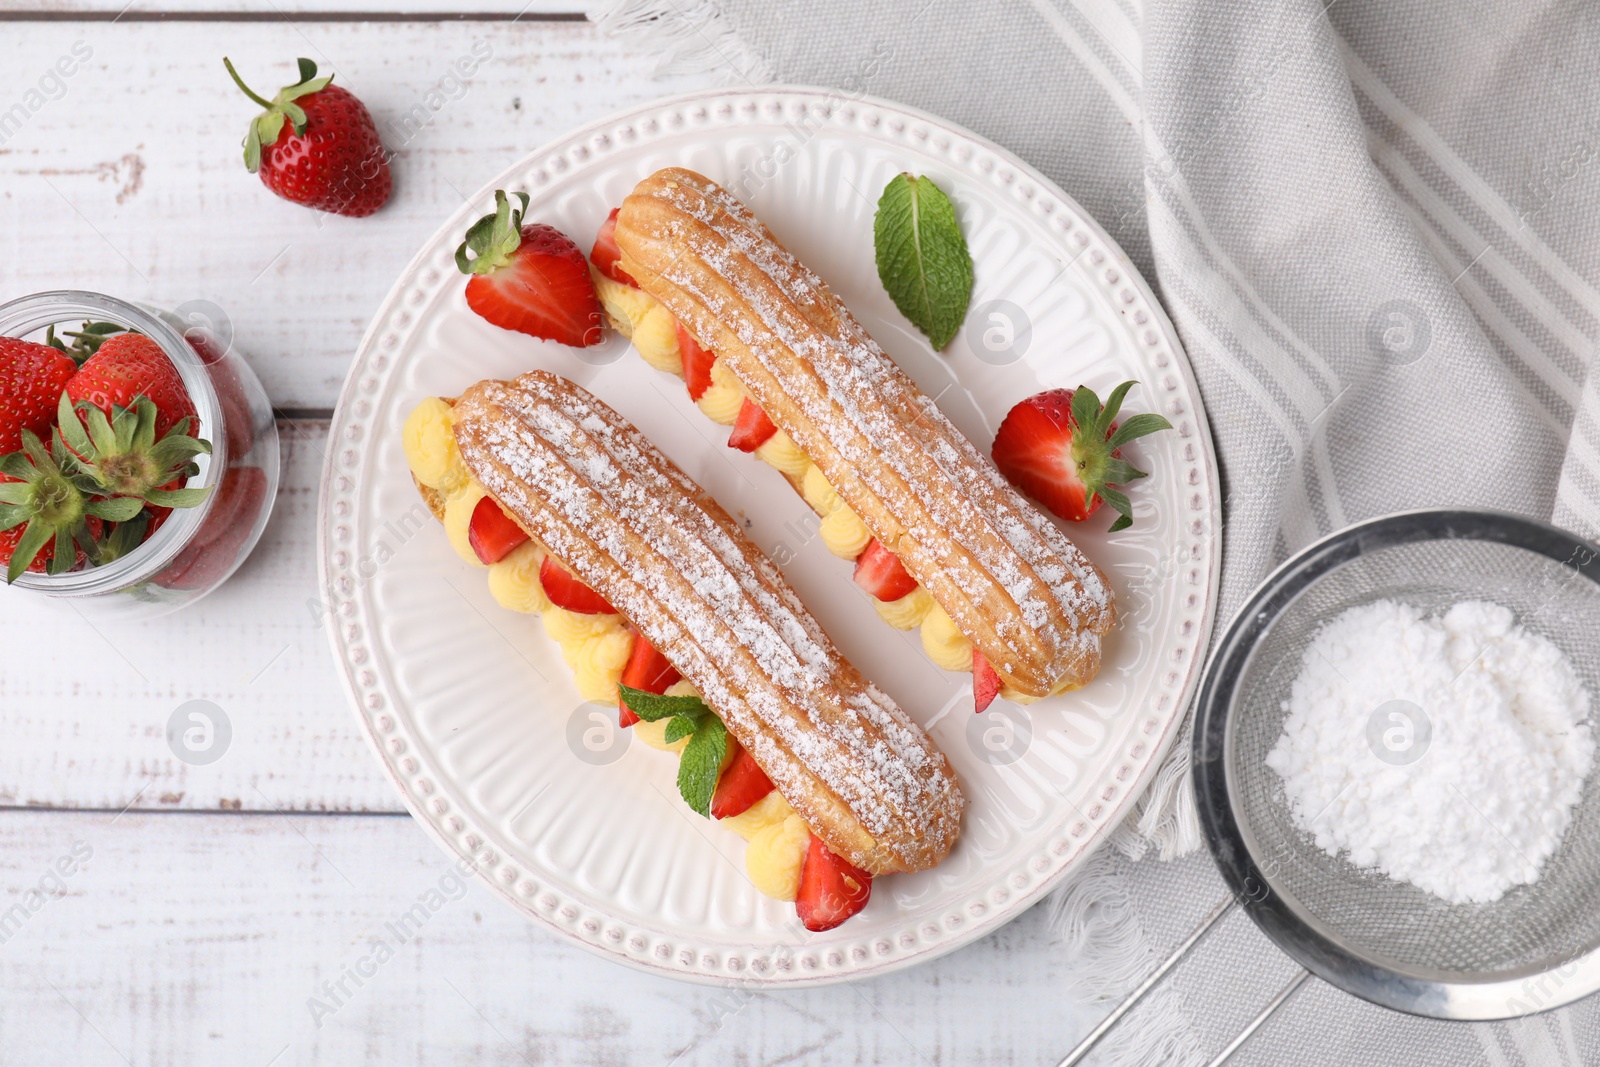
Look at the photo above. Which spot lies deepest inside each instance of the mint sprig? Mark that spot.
(923, 260)
(701, 760)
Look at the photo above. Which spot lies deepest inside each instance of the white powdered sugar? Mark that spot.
(1446, 751)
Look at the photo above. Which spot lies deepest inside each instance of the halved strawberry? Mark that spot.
(605, 253)
(831, 890)
(1061, 448)
(491, 532)
(881, 573)
(566, 591)
(741, 784)
(696, 363)
(752, 429)
(532, 279)
(985, 682)
(646, 670)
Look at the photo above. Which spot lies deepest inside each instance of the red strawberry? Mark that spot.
(697, 363)
(32, 377)
(531, 279)
(881, 573)
(751, 429)
(646, 670)
(605, 253)
(215, 550)
(566, 591)
(740, 785)
(831, 890)
(985, 682)
(330, 157)
(491, 532)
(136, 426)
(127, 366)
(1063, 449)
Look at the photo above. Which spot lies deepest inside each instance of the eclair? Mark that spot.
(652, 585)
(939, 537)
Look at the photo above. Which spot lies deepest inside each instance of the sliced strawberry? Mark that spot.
(831, 890)
(531, 279)
(752, 429)
(741, 784)
(881, 573)
(985, 682)
(696, 363)
(566, 591)
(605, 254)
(491, 532)
(1062, 448)
(646, 670)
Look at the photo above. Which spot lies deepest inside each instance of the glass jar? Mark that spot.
(195, 549)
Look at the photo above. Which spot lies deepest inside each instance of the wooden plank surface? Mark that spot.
(279, 10)
(207, 939)
(86, 725)
(127, 177)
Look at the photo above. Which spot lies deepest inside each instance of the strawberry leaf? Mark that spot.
(114, 508)
(33, 539)
(922, 257)
(493, 238)
(1138, 426)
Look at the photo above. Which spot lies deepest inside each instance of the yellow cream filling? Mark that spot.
(514, 581)
(844, 533)
(944, 644)
(638, 316)
(458, 507)
(781, 452)
(429, 440)
(721, 404)
(775, 855)
(906, 613)
(818, 493)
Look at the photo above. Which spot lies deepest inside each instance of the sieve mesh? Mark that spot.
(1393, 924)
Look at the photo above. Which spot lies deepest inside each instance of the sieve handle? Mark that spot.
(1132, 1000)
(1266, 1013)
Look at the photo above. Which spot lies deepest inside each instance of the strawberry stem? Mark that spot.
(251, 93)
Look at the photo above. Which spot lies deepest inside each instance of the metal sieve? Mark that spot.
(1537, 947)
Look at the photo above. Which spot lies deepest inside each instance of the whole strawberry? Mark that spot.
(31, 379)
(129, 365)
(329, 158)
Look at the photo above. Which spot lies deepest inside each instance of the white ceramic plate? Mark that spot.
(475, 717)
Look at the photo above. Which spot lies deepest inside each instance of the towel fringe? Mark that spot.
(1093, 917)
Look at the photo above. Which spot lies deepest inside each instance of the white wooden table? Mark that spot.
(214, 914)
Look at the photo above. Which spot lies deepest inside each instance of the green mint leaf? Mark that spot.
(701, 762)
(923, 260)
(651, 706)
(681, 726)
